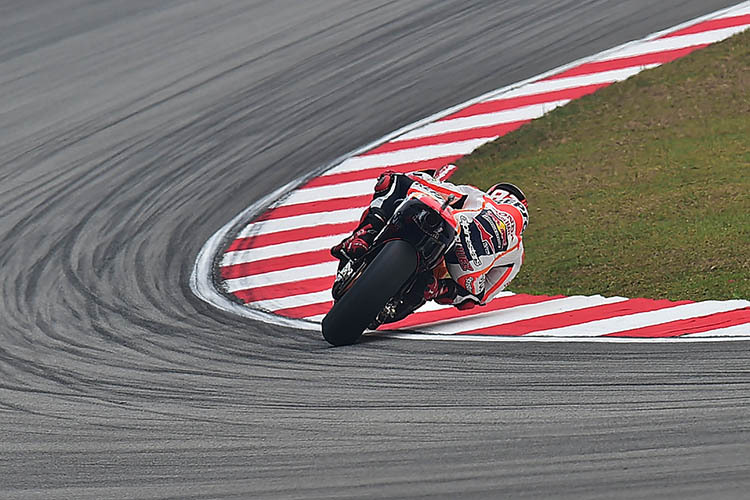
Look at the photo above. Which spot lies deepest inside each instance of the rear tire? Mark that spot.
(380, 281)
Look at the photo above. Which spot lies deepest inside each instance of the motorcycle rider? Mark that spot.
(489, 251)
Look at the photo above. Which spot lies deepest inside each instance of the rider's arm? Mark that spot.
(506, 268)
(482, 287)
(481, 283)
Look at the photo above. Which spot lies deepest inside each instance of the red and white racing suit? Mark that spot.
(489, 251)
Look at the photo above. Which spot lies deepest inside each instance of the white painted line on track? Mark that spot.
(729, 331)
(531, 338)
(673, 43)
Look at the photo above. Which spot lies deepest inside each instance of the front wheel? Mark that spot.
(379, 282)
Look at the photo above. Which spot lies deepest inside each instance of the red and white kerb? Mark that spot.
(280, 262)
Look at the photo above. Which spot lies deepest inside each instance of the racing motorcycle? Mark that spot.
(387, 283)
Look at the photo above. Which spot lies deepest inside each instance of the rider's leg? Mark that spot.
(390, 189)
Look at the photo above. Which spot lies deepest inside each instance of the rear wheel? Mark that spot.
(380, 281)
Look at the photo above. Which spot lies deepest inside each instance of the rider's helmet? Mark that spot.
(501, 191)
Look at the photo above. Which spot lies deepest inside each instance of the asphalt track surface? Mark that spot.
(131, 131)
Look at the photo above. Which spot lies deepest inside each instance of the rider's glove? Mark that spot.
(442, 291)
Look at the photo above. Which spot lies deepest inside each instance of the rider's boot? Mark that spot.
(446, 291)
(442, 291)
(361, 240)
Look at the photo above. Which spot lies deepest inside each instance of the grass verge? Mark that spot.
(641, 189)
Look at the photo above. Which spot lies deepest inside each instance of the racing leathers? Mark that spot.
(487, 255)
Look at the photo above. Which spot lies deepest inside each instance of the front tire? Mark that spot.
(380, 281)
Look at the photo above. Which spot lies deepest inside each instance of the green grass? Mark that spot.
(641, 189)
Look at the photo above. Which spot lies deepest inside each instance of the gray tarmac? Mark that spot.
(131, 131)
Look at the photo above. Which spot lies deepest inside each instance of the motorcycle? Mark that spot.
(387, 283)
